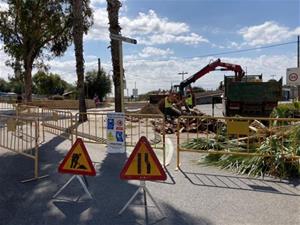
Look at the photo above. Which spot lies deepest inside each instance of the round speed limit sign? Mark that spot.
(293, 77)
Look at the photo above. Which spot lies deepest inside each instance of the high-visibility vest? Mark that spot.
(189, 101)
(167, 103)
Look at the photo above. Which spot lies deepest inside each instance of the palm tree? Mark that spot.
(78, 29)
(113, 7)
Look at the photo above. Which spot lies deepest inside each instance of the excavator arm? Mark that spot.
(239, 73)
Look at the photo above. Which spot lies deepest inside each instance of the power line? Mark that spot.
(243, 50)
(224, 53)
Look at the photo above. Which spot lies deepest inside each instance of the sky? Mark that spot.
(176, 36)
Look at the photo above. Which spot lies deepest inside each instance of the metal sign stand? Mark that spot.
(145, 190)
(82, 181)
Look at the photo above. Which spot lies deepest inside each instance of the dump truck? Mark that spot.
(251, 96)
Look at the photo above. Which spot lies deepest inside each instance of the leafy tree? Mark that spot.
(4, 85)
(97, 83)
(113, 7)
(31, 29)
(49, 84)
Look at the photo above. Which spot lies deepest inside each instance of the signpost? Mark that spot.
(142, 165)
(115, 132)
(77, 162)
(121, 38)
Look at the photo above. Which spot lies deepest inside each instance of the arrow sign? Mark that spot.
(122, 38)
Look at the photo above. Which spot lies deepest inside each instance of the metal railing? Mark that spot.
(21, 136)
(152, 126)
(136, 125)
(57, 122)
(238, 136)
(93, 130)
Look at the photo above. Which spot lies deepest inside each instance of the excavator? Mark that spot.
(185, 86)
(217, 65)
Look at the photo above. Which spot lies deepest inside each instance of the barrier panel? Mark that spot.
(21, 136)
(150, 126)
(93, 130)
(265, 137)
(136, 125)
(27, 111)
(57, 122)
(62, 104)
(7, 104)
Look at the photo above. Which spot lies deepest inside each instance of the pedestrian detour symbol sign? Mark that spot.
(143, 164)
(77, 161)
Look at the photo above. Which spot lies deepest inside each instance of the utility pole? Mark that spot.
(121, 39)
(99, 65)
(298, 50)
(183, 73)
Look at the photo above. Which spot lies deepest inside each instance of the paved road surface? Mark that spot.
(195, 195)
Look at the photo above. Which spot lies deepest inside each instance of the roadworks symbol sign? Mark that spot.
(143, 164)
(77, 161)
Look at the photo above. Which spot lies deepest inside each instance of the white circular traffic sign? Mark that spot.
(293, 77)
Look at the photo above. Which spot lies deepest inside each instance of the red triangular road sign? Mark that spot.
(77, 161)
(143, 164)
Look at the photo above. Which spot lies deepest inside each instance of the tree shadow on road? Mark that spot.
(239, 182)
(32, 203)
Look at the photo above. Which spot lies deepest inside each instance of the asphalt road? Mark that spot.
(196, 195)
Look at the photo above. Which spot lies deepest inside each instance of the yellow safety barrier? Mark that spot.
(236, 136)
(93, 130)
(21, 136)
(27, 111)
(6, 105)
(151, 126)
(57, 122)
(136, 125)
(62, 104)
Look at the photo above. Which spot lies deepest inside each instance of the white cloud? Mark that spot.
(94, 2)
(267, 33)
(3, 6)
(150, 23)
(5, 71)
(148, 28)
(151, 51)
(164, 38)
(99, 30)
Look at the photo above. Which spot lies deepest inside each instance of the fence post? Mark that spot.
(164, 141)
(178, 143)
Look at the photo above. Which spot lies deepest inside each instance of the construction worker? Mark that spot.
(169, 109)
(189, 101)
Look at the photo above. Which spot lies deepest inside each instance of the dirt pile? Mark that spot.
(150, 109)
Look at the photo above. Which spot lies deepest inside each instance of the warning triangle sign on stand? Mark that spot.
(77, 161)
(143, 164)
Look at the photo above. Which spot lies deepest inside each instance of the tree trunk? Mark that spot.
(78, 44)
(28, 79)
(113, 7)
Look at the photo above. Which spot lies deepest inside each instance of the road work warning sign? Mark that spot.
(143, 164)
(77, 161)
